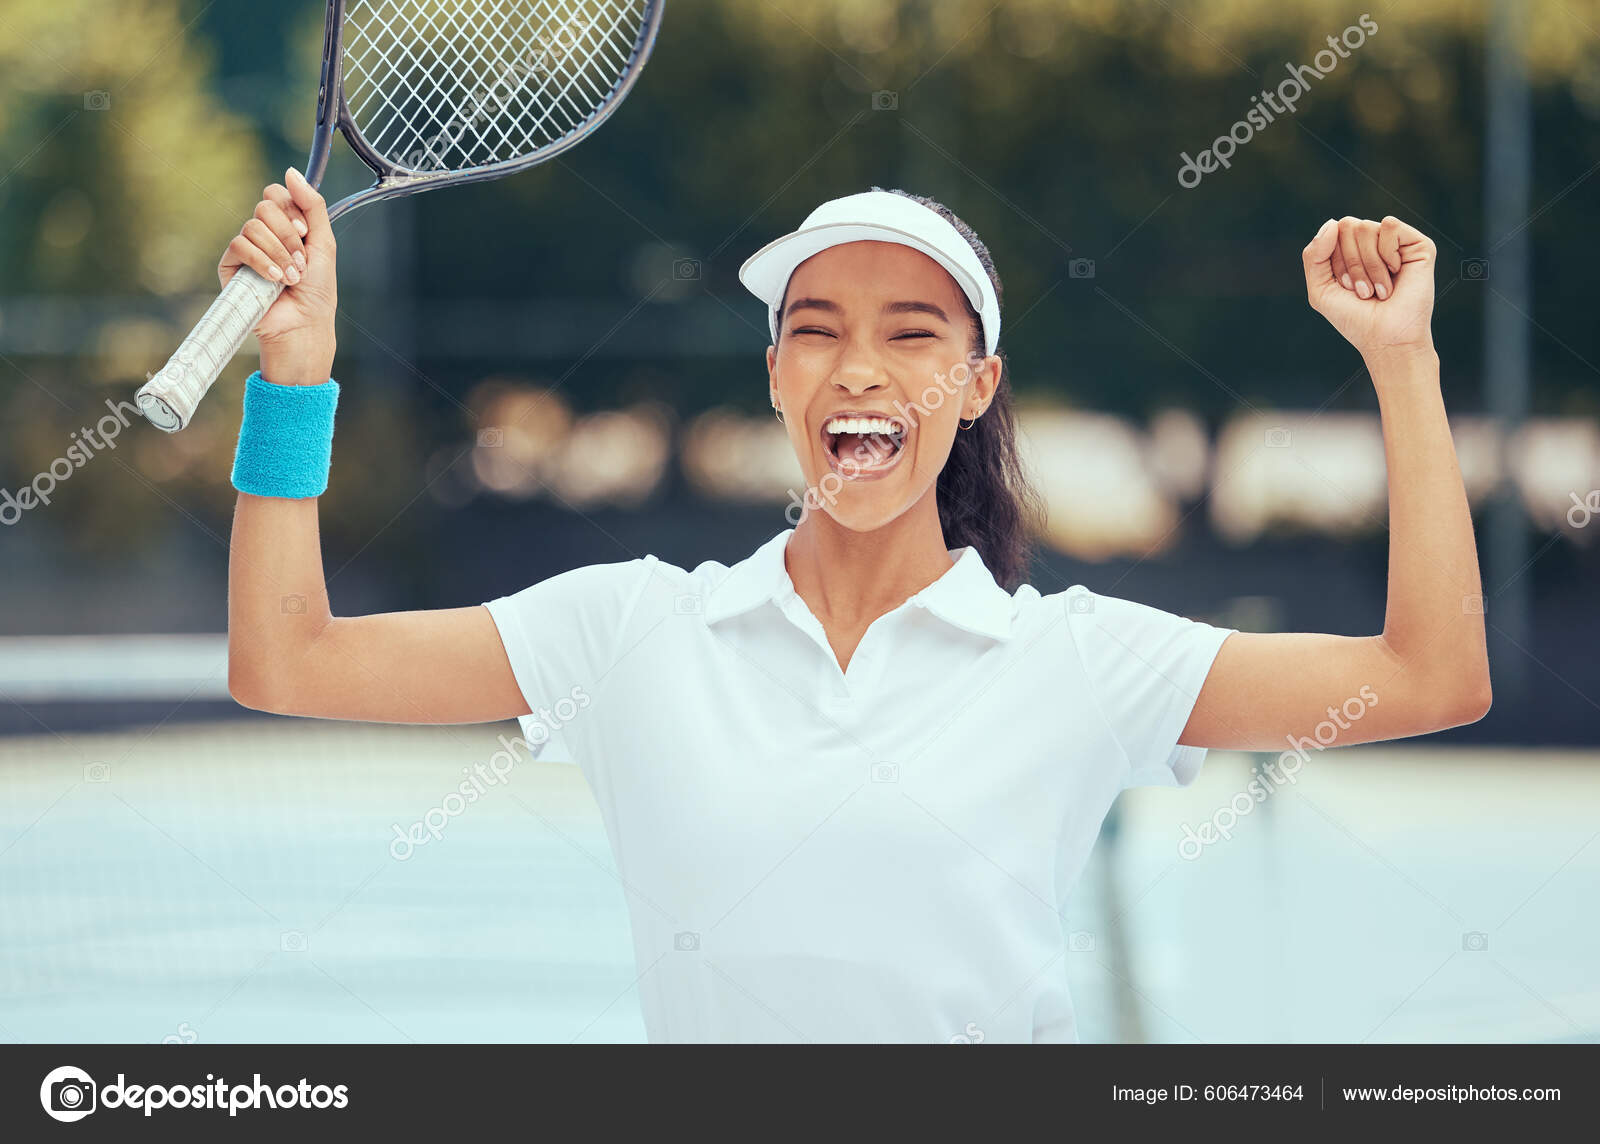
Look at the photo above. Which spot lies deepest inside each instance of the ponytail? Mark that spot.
(984, 496)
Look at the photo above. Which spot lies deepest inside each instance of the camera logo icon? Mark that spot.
(686, 942)
(491, 438)
(1474, 941)
(1080, 602)
(294, 605)
(292, 941)
(97, 101)
(686, 269)
(690, 605)
(1081, 941)
(1278, 438)
(1475, 269)
(886, 101)
(67, 1094)
(1080, 268)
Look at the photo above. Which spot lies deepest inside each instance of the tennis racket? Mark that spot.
(432, 93)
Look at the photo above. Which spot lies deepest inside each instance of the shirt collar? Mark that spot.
(966, 596)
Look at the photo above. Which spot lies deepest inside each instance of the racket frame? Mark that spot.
(395, 181)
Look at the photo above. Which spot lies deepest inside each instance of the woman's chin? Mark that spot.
(864, 510)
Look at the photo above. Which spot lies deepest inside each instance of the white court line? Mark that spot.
(129, 667)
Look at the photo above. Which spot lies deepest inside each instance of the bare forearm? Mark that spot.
(1429, 669)
(286, 651)
(277, 598)
(1434, 622)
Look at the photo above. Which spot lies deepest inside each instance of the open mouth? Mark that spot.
(863, 446)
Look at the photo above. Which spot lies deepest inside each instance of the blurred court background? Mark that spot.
(175, 868)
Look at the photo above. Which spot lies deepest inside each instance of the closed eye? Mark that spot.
(829, 333)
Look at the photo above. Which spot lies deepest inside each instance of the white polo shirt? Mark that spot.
(880, 854)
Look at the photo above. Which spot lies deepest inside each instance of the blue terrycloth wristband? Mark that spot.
(286, 438)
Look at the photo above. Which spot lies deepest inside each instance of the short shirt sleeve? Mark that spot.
(562, 636)
(1146, 668)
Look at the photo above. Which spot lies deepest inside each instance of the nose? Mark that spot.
(859, 371)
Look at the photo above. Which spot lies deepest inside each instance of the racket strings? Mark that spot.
(454, 50)
(446, 60)
(437, 85)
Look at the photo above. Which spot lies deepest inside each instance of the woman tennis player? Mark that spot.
(850, 780)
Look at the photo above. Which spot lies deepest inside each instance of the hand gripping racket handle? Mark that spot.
(169, 398)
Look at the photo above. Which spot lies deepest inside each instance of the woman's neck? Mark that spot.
(852, 578)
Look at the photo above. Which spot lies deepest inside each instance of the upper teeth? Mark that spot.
(861, 425)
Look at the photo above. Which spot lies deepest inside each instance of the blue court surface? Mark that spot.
(234, 881)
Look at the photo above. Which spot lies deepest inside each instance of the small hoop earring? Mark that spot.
(778, 413)
(969, 425)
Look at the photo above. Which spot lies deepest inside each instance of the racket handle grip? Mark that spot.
(168, 400)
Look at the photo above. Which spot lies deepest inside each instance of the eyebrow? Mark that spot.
(888, 308)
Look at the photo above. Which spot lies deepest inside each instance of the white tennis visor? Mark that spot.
(879, 216)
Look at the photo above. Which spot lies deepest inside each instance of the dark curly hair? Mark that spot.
(984, 496)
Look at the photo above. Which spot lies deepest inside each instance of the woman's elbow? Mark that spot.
(1469, 702)
(1482, 700)
(249, 685)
